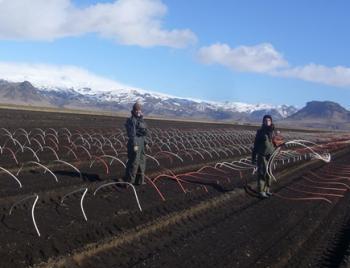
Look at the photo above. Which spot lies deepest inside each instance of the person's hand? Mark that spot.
(254, 161)
(136, 148)
(148, 147)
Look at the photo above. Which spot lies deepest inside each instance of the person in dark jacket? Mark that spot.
(262, 151)
(136, 129)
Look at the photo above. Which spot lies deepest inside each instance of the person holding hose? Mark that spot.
(263, 148)
(136, 129)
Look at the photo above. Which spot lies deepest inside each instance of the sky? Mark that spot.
(253, 51)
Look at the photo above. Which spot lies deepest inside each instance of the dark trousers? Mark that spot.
(136, 165)
(263, 180)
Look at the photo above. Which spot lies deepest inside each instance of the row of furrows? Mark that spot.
(345, 245)
(108, 220)
(327, 244)
(50, 191)
(103, 216)
(38, 182)
(53, 193)
(337, 249)
(243, 204)
(76, 224)
(141, 257)
(97, 229)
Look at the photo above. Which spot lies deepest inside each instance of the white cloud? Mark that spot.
(66, 77)
(338, 76)
(52, 76)
(261, 58)
(130, 22)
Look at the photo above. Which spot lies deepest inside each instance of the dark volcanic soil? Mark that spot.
(243, 232)
(222, 224)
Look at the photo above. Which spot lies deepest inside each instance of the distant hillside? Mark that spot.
(121, 100)
(321, 114)
(21, 93)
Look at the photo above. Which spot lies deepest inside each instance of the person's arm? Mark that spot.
(147, 137)
(131, 129)
(255, 147)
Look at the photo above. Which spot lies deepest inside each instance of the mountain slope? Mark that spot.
(21, 93)
(25, 93)
(322, 110)
(321, 114)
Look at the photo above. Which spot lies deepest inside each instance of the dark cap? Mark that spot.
(267, 116)
(136, 106)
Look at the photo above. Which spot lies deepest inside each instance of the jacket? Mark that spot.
(136, 129)
(263, 143)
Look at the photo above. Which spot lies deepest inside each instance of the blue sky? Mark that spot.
(277, 52)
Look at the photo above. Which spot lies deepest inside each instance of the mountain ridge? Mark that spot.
(321, 114)
(121, 100)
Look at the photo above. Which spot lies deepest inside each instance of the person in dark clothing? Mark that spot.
(136, 129)
(262, 151)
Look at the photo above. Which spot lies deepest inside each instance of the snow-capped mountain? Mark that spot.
(121, 99)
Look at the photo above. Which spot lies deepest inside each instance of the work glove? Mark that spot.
(136, 148)
(253, 157)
